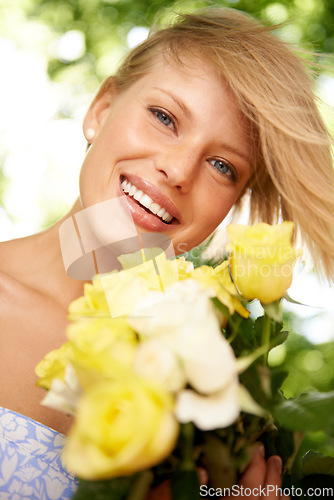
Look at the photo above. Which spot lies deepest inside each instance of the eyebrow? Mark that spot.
(180, 103)
(187, 112)
(235, 151)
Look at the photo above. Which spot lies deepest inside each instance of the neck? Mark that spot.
(36, 261)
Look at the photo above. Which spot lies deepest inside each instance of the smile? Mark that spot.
(145, 201)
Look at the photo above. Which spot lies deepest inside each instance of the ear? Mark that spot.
(98, 110)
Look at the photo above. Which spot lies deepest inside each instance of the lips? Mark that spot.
(150, 208)
(145, 201)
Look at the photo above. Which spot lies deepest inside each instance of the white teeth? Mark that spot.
(161, 212)
(132, 191)
(167, 217)
(146, 201)
(125, 186)
(155, 208)
(138, 195)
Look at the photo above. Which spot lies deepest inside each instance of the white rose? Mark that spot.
(209, 362)
(64, 394)
(178, 308)
(156, 361)
(185, 320)
(215, 411)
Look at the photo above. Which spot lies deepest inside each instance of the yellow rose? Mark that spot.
(92, 303)
(121, 427)
(262, 259)
(169, 270)
(117, 293)
(125, 288)
(96, 347)
(219, 280)
(101, 348)
(53, 365)
(157, 272)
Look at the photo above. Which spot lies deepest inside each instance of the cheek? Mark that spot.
(115, 142)
(208, 215)
(127, 133)
(214, 208)
(94, 180)
(205, 221)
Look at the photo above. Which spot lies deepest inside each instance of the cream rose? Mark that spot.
(262, 259)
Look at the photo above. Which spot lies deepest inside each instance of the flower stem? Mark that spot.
(184, 481)
(235, 330)
(187, 441)
(266, 336)
(141, 486)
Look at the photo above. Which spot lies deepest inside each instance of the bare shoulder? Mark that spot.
(10, 288)
(33, 321)
(31, 326)
(12, 295)
(20, 303)
(10, 253)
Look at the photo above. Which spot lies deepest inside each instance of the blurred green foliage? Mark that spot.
(309, 367)
(106, 23)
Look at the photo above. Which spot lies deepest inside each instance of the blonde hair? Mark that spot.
(293, 177)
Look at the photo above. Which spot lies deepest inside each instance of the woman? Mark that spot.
(199, 116)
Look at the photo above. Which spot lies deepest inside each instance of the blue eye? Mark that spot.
(225, 168)
(163, 117)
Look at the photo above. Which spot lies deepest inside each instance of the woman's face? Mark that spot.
(177, 136)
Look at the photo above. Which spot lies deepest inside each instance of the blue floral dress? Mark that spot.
(30, 460)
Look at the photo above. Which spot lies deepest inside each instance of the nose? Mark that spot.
(178, 165)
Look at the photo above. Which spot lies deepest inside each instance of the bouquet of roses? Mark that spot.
(165, 371)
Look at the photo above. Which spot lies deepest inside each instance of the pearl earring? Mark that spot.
(90, 133)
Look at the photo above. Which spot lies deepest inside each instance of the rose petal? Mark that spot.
(209, 412)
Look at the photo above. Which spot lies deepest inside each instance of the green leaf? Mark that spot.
(307, 412)
(293, 301)
(257, 380)
(219, 305)
(277, 378)
(279, 442)
(245, 341)
(278, 339)
(276, 334)
(244, 362)
(316, 463)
